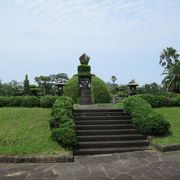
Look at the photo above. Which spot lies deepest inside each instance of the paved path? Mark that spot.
(125, 166)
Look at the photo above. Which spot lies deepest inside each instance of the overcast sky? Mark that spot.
(123, 37)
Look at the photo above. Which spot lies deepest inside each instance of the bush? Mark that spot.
(176, 99)
(47, 101)
(64, 102)
(160, 100)
(145, 119)
(61, 122)
(30, 101)
(57, 121)
(100, 90)
(65, 135)
(19, 101)
(4, 101)
(15, 101)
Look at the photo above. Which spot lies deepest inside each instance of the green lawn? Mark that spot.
(26, 131)
(173, 116)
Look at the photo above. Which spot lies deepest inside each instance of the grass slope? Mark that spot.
(26, 131)
(173, 116)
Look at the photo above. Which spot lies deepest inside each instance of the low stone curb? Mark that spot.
(37, 159)
(166, 148)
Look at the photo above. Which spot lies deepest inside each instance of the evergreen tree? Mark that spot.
(26, 86)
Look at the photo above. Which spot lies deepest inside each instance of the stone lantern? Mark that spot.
(132, 85)
(60, 85)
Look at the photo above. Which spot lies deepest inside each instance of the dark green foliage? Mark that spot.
(65, 135)
(47, 101)
(56, 121)
(15, 101)
(63, 102)
(84, 69)
(19, 101)
(30, 101)
(145, 119)
(72, 89)
(12, 88)
(152, 88)
(61, 122)
(161, 101)
(4, 101)
(26, 86)
(100, 90)
(176, 99)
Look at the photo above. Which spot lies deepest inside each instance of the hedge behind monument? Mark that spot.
(99, 89)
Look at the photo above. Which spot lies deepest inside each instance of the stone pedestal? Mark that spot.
(85, 90)
(84, 75)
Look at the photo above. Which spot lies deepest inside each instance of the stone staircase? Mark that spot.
(85, 96)
(103, 131)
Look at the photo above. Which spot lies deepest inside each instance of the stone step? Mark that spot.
(86, 102)
(105, 144)
(103, 117)
(102, 114)
(111, 137)
(96, 122)
(98, 110)
(93, 151)
(99, 127)
(106, 132)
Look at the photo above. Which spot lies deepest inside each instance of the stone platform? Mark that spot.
(145, 165)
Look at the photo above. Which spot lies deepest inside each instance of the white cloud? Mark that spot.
(124, 32)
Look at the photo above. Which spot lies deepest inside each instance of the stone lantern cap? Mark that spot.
(133, 83)
(84, 59)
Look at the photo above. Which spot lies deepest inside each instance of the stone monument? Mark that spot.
(84, 74)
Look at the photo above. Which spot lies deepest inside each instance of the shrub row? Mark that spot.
(161, 101)
(27, 101)
(145, 119)
(61, 122)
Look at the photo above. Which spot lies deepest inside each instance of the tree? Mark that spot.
(172, 77)
(113, 79)
(152, 88)
(61, 77)
(12, 88)
(168, 56)
(169, 59)
(26, 86)
(45, 84)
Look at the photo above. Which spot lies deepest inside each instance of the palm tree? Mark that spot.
(172, 77)
(168, 56)
(113, 78)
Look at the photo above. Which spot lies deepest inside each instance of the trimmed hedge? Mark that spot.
(19, 101)
(61, 122)
(30, 101)
(47, 101)
(84, 69)
(27, 101)
(72, 89)
(100, 91)
(161, 101)
(145, 119)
